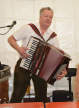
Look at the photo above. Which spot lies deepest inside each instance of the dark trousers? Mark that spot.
(21, 82)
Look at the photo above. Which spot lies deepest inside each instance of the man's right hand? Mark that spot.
(22, 51)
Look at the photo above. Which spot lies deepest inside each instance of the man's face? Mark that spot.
(46, 18)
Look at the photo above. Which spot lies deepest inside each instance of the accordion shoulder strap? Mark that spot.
(36, 30)
(51, 36)
(39, 34)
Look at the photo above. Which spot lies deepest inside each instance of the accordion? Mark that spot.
(45, 60)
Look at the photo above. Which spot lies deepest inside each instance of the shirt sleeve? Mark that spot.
(22, 33)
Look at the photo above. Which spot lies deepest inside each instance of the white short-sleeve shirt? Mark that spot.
(25, 32)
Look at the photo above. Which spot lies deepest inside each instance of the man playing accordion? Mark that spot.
(21, 75)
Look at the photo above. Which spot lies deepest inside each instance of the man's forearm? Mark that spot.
(13, 43)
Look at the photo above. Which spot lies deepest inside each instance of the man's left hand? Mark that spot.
(60, 76)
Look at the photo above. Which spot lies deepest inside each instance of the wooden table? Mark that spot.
(23, 105)
(41, 105)
(62, 105)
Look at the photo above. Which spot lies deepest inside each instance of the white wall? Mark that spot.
(65, 22)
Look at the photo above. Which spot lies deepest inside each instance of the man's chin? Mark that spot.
(47, 25)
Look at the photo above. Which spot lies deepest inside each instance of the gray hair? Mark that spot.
(46, 8)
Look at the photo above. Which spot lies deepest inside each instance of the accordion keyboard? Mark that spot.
(32, 45)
